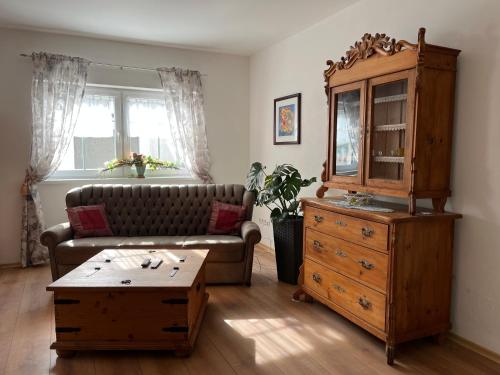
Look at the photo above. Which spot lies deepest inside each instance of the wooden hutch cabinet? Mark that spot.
(391, 119)
(390, 130)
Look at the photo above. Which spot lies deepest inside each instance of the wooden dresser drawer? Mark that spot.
(355, 261)
(364, 232)
(354, 297)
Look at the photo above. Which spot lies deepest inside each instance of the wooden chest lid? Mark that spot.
(99, 274)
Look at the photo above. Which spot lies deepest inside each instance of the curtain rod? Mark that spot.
(115, 66)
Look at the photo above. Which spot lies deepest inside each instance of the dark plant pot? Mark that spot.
(141, 169)
(288, 248)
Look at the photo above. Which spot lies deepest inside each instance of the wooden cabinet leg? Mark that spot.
(65, 353)
(438, 204)
(300, 280)
(300, 292)
(296, 295)
(390, 352)
(412, 206)
(320, 193)
(440, 338)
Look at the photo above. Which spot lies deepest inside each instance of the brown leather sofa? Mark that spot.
(159, 216)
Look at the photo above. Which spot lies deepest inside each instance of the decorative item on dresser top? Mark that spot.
(385, 267)
(391, 119)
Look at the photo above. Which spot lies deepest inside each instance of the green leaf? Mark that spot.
(254, 177)
(291, 186)
(284, 169)
(265, 198)
(293, 206)
(275, 214)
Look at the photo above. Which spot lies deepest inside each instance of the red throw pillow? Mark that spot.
(226, 218)
(89, 221)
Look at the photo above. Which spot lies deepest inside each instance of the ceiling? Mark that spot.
(233, 26)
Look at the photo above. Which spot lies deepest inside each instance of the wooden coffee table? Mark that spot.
(111, 303)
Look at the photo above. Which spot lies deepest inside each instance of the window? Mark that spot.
(114, 123)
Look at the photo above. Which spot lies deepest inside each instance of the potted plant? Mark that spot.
(140, 162)
(278, 191)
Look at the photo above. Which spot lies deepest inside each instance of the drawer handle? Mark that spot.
(338, 288)
(341, 223)
(364, 303)
(340, 253)
(318, 218)
(317, 245)
(316, 277)
(365, 264)
(367, 232)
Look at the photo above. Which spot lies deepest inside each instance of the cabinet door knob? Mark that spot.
(317, 245)
(367, 232)
(318, 218)
(364, 303)
(316, 277)
(340, 253)
(341, 223)
(366, 264)
(338, 288)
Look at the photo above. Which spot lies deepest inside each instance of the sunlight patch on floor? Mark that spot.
(278, 338)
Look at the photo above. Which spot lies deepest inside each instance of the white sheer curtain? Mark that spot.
(57, 90)
(96, 121)
(148, 125)
(184, 102)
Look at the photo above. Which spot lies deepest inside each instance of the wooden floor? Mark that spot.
(256, 330)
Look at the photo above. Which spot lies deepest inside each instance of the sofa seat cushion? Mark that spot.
(222, 248)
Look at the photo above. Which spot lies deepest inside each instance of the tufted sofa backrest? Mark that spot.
(159, 210)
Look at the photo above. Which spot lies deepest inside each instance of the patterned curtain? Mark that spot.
(186, 116)
(57, 90)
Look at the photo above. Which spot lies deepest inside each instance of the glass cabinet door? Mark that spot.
(347, 116)
(389, 129)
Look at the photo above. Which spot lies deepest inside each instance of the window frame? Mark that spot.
(122, 138)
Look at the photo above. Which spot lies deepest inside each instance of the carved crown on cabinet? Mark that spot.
(371, 45)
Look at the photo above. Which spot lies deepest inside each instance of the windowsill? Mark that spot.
(168, 180)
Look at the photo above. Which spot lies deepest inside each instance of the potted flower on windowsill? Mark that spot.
(278, 192)
(140, 162)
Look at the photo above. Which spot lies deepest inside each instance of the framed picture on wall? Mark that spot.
(287, 120)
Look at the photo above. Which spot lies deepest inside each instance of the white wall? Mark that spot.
(296, 65)
(225, 83)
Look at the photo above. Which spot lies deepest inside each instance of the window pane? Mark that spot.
(389, 136)
(149, 132)
(347, 133)
(94, 139)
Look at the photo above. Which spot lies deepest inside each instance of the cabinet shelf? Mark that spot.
(390, 127)
(391, 98)
(389, 159)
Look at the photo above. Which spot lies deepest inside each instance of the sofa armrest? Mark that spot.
(53, 236)
(56, 234)
(250, 232)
